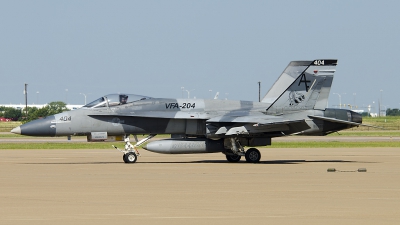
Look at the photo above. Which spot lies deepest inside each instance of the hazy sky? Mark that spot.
(153, 48)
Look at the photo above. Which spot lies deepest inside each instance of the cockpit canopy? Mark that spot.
(114, 100)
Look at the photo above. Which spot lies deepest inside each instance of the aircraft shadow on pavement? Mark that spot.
(261, 162)
(72, 163)
(269, 162)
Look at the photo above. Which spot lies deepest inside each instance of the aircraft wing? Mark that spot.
(232, 123)
(252, 124)
(264, 120)
(255, 120)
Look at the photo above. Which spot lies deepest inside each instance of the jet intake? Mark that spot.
(185, 146)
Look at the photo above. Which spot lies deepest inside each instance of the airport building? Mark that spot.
(22, 106)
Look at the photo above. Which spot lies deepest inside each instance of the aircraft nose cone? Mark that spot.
(39, 127)
(16, 130)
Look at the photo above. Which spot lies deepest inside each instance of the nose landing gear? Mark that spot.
(130, 152)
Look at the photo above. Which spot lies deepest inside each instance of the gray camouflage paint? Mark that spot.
(294, 105)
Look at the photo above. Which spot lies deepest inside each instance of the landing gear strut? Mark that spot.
(252, 155)
(131, 152)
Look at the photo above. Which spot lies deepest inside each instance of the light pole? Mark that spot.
(340, 100)
(83, 95)
(26, 100)
(66, 96)
(380, 103)
(37, 97)
(369, 110)
(384, 114)
(259, 91)
(374, 106)
(189, 92)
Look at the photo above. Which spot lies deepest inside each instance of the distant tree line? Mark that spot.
(389, 112)
(33, 112)
(392, 112)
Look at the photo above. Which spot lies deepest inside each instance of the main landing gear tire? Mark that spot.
(130, 157)
(253, 155)
(233, 158)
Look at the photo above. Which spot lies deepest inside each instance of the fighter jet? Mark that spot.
(295, 105)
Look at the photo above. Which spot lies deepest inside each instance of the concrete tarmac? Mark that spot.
(288, 186)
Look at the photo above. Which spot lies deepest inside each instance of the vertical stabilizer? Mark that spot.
(288, 76)
(303, 85)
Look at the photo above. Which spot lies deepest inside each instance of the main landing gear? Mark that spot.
(252, 155)
(131, 152)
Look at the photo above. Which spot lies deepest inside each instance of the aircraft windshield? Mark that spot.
(114, 100)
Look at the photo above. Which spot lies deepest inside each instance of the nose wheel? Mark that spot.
(129, 157)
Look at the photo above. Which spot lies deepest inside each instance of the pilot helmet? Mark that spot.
(123, 98)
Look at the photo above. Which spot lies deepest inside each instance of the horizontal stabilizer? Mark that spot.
(333, 120)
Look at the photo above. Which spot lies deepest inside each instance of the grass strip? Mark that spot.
(4, 135)
(107, 145)
(57, 145)
(10, 135)
(340, 134)
(366, 134)
(336, 144)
